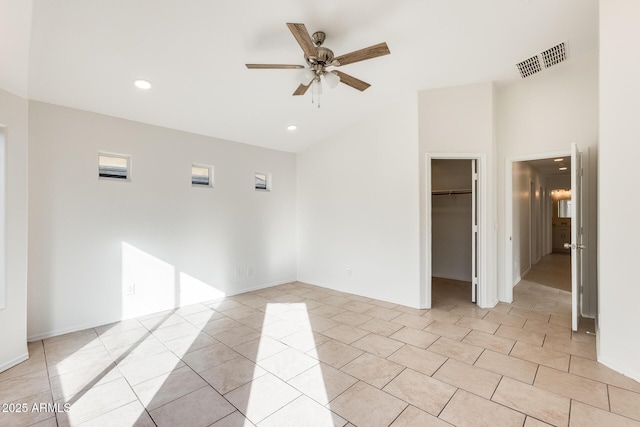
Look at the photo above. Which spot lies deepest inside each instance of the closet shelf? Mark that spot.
(449, 192)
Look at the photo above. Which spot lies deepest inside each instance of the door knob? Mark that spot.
(574, 246)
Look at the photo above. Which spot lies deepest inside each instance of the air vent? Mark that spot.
(546, 59)
(529, 66)
(555, 55)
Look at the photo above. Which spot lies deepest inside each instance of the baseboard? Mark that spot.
(84, 326)
(403, 303)
(633, 375)
(516, 281)
(460, 279)
(68, 330)
(14, 362)
(257, 288)
(490, 305)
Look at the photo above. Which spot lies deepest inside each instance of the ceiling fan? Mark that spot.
(319, 58)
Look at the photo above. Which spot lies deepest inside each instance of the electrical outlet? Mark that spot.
(131, 290)
(349, 271)
(249, 271)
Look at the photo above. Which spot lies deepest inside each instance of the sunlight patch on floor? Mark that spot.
(279, 318)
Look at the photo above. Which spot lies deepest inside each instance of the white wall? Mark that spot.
(90, 239)
(358, 208)
(546, 113)
(460, 120)
(619, 293)
(13, 318)
(15, 38)
(526, 229)
(451, 217)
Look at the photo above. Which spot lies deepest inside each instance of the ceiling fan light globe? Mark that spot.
(332, 79)
(306, 76)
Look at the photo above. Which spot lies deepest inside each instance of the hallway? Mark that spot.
(552, 270)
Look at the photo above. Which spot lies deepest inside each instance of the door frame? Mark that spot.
(506, 287)
(481, 207)
(533, 227)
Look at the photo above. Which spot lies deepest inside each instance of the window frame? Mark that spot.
(129, 168)
(267, 181)
(210, 169)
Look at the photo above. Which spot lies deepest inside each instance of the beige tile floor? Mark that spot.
(552, 270)
(296, 355)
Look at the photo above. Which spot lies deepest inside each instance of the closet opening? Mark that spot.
(454, 272)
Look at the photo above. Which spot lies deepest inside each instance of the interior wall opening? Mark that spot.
(453, 248)
(3, 248)
(543, 247)
(544, 264)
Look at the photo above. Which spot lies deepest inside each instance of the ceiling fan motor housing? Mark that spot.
(318, 38)
(324, 55)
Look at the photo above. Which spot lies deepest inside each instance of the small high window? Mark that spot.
(201, 175)
(262, 181)
(114, 166)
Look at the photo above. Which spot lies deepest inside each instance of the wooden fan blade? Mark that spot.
(301, 34)
(273, 66)
(302, 89)
(351, 81)
(362, 54)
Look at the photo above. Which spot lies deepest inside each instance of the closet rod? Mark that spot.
(449, 192)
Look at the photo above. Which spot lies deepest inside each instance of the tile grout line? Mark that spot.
(504, 406)
(398, 416)
(527, 320)
(205, 381)
(115, 362)
(46, 367)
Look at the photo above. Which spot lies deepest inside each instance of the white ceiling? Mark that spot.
(549, 167)
(86, 53)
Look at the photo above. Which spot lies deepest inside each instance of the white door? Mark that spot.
(474, 230)
(576, 233)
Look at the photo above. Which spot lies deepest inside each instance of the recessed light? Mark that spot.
(292, 127)
(562, 168)
(142, 84)
(558, 160)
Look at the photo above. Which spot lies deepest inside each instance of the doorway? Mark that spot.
(2, 216)
(553, 269)
(455, 243)
(528, 257)
(452, 206)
